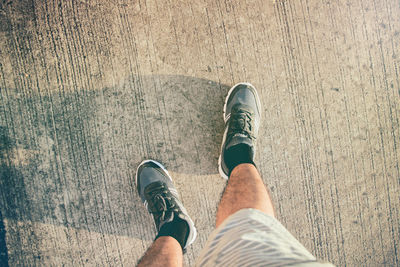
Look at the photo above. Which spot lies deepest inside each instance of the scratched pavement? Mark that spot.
(88, 89)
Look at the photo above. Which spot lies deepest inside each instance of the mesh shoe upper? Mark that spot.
(160, 196)
(242, 121)
(162, 204)
(241, 126)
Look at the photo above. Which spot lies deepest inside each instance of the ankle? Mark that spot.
(238, 154)
(177, 228)
(242, 168)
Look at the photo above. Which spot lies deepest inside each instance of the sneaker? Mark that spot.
(242, 120)
(160, 196)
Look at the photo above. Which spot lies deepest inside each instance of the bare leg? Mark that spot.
(165, 251)
(245, 189)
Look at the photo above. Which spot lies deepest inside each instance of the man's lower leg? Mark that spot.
(165, 251)
(245, 189)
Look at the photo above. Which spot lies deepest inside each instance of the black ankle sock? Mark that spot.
(178, 229)
(238, 154)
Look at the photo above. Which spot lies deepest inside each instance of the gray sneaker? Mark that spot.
(242, 113)
(160, 196)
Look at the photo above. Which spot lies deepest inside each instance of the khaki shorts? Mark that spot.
(252, 238)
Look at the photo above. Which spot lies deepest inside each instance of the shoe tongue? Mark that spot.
(239, 139)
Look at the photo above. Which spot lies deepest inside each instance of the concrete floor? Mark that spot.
(91, 88)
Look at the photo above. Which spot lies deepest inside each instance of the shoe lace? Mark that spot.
(161, 202)
(241, 122)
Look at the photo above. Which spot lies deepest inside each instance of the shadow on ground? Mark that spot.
(68, 157)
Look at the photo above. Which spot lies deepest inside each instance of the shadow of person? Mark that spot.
(175, 119)
(77, 161)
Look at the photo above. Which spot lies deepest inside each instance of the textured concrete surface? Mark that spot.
(91, 88)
